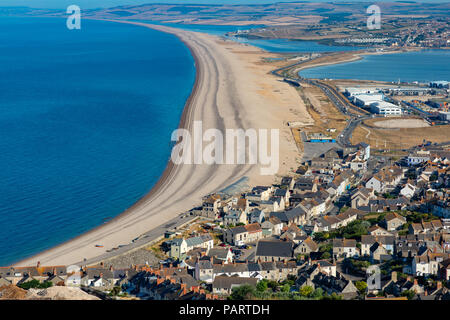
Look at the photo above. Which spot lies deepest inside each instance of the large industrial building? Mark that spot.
(386, 108)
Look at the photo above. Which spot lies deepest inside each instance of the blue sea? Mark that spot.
(85, 123)
(422, 66)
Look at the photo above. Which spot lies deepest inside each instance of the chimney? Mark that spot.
(394, 276)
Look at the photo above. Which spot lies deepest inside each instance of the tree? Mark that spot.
(325, 256)
(115, 291)
(272, 284)
(361, 286)
(243, 292)
(285, 288)
(35, 284)
(317, 294)
(262, 285)
(409, 294)
(306, 291)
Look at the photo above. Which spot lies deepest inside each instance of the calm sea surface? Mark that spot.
(422, 66)
(85, 124)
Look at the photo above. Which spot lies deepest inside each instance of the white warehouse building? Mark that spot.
(386, 108)
(368, 99)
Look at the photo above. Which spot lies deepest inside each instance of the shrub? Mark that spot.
(243, 292)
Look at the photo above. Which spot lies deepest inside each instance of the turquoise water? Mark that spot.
(422, 66)
(85, 124)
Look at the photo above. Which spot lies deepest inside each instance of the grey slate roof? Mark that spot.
(275, 248)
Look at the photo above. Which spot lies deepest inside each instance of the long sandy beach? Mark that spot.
(233, 90)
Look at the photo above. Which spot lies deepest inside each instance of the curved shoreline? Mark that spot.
(169, 169)
(214, 100)
(227, 94)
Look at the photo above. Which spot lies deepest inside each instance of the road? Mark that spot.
(337, 99)
(144, 240)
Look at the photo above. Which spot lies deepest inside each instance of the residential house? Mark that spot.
(211, 206)
(234, 217)
(274, 250)
(378, 231)
(259, 193)
(306, 247)
(180, 246)
(427, 263)
(305, 184)
(393, 221)
(256, 216)
(295, 215)
(387, 242)
(344, 248)
(287, 183)
(361, 197)
(243, 234)
(408, 190)
(272, 226)
(223, 285)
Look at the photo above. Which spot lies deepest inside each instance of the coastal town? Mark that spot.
(346, 225)
(363, 212)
